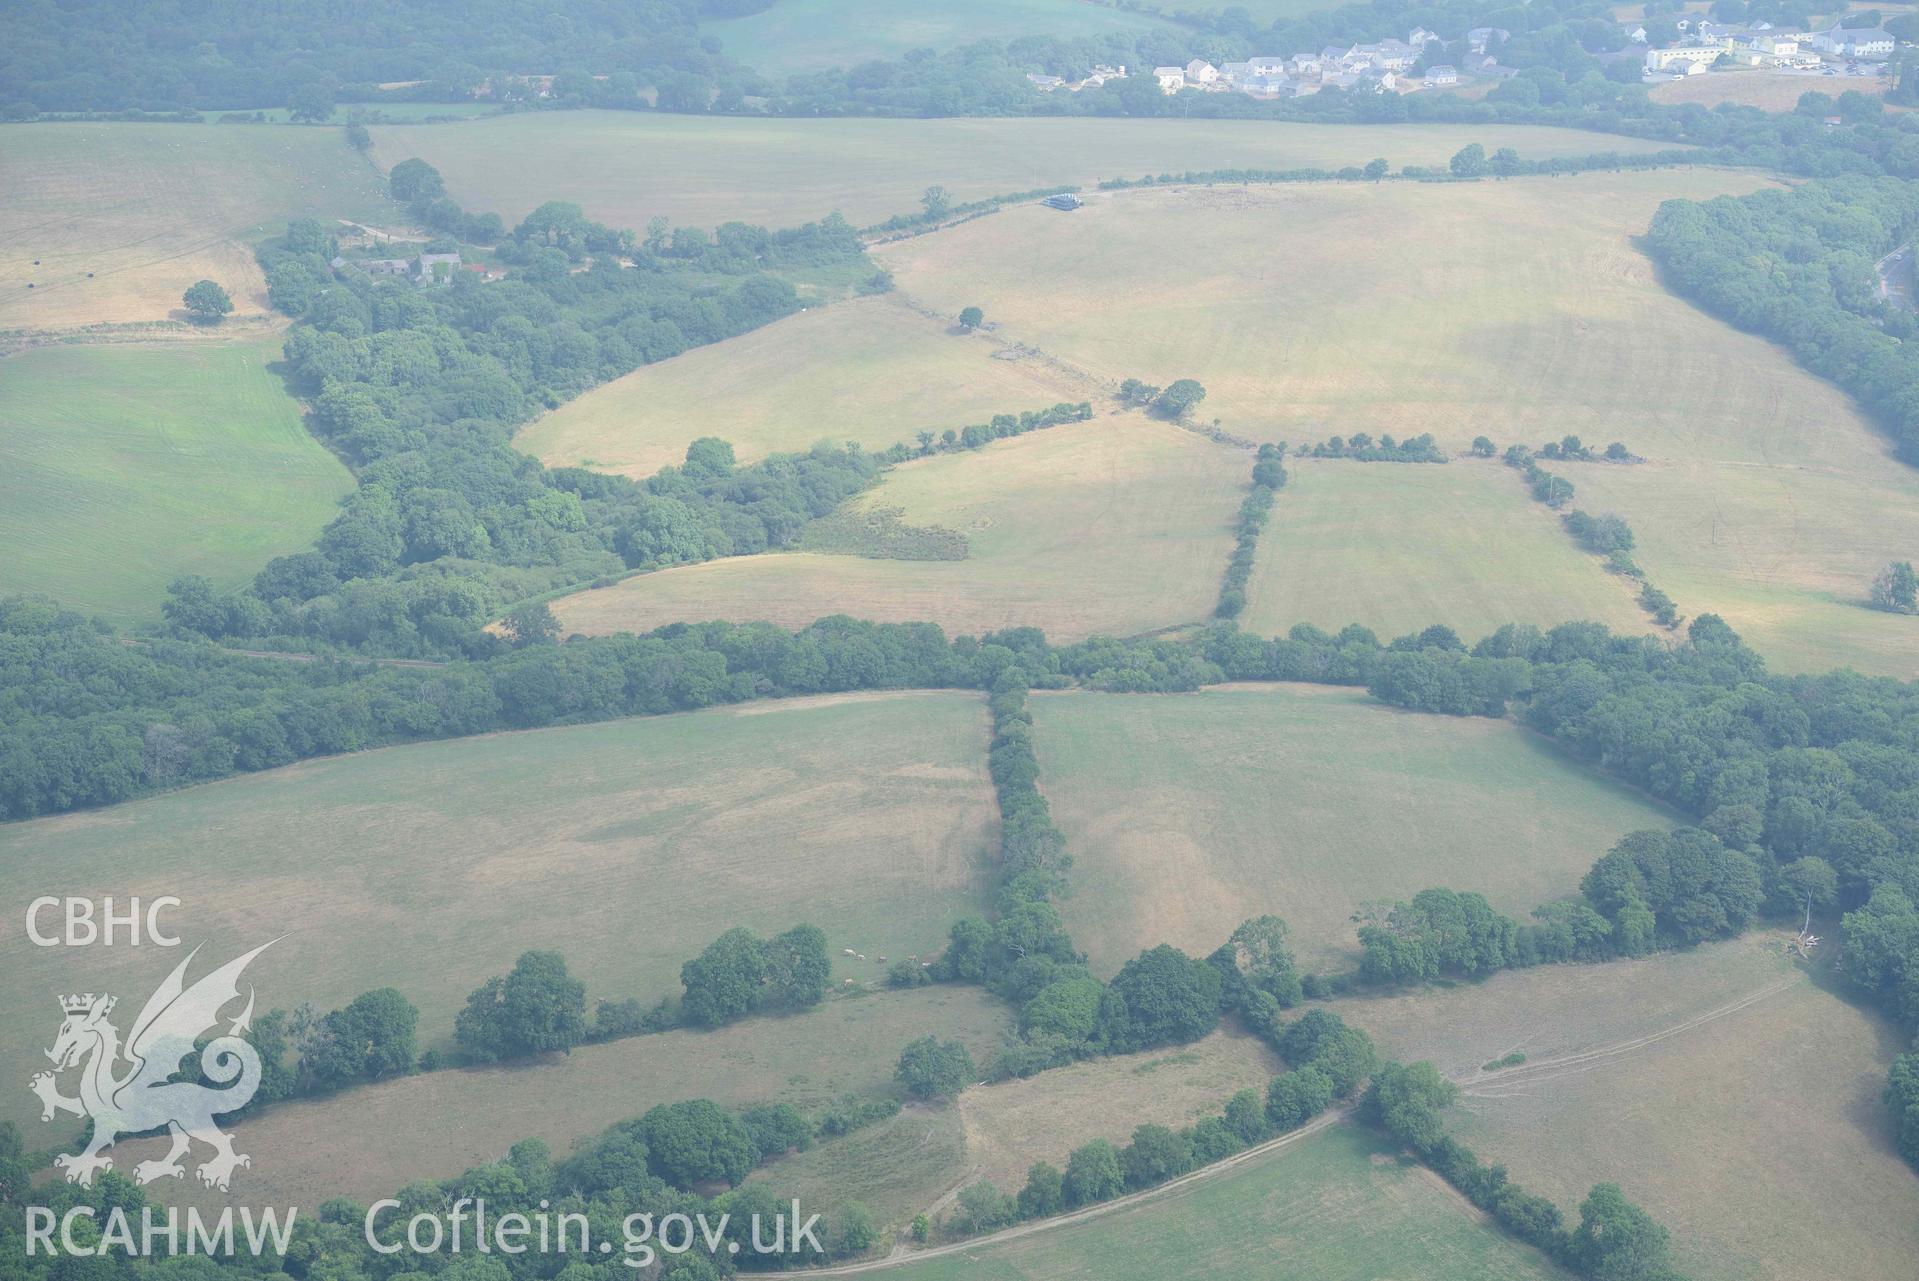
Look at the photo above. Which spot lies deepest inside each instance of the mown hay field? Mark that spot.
(1114, 526)
(1399, 546)
(627, 846)
(124, 466)
(149, 209)
(1188, 813)
(625, 167)
(1519, 310)
(1726, 1089)
(1784, 548)
(871, 370)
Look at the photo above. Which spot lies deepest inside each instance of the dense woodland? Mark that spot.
(1796, 265)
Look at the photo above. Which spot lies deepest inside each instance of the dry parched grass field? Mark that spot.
(1398, 547)
(1189, 813)
(627, 846)
(1722, 1088)
(1114, 526)
(1766, 90)
(1519, 309)
(1326, 310)
(149, 209)
(368, 1142)
(625, 167)
(872, 370)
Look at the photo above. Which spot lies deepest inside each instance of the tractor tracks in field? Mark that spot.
(1508, 1083)
(1516, 1082)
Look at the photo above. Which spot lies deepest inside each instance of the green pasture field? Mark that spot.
(627, 846)
(872, 370)
(1727, 1089)
(1114, 526)
(124, 466)
(149, 209)
(1337, 1205)
(812, 35)
(625, 167)
(1399, 546)
(1188, 813)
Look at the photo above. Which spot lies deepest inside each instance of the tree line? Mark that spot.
(1269, 474)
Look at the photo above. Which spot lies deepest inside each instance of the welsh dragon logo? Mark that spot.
(146, 1095)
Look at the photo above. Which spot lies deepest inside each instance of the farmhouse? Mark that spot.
(1171, 79)
(1441, 76)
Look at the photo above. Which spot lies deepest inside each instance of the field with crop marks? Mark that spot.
(629, 846)
(1115, 526)
(872, 370)
(1336, 1205)
(625, 167)
(1726, 1089)
(124, 466)
(1397, 547)
(1189, 813)
(149, 209)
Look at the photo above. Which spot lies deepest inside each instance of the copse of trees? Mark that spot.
(422, 388)
(740, 973)
(535, 1009)
(931, 1069)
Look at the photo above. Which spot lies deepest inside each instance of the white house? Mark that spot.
(1441, 75)
(1304, 64)
(1267, 66)
(1637, 35)
(1201, 73)
(1171, 79)
(1862, 43)
(1419, 37)
(1395, 55)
